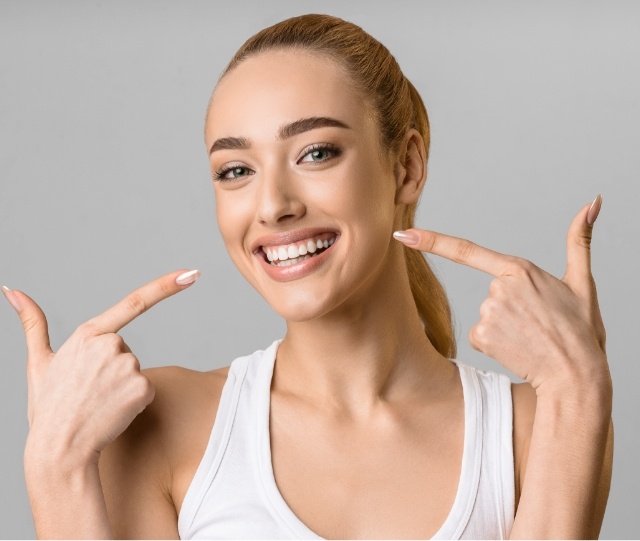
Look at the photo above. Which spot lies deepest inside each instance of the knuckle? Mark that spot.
(165, 287)
(113, 342)
(144, 389)
(131, 363)
(478, 336)
(137, 303)
(464, 250)
(522, 267)
(496, 287)
(430, 242)
(473, 340)
(584, 240)
(86, 329)
(488, 308)
(29, 323)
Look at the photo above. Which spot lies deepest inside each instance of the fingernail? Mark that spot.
(187, 277)
(406, 237)
(594, 209)
(12, 298)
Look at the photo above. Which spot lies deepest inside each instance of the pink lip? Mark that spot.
(287, 237)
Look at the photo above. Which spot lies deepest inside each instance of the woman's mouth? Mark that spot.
(289, 254)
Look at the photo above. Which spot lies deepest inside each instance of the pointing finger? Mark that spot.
(578, 274)
(143, 298)
(456, 249)
(34, 323)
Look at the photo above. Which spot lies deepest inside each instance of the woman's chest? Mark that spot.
(386, 482)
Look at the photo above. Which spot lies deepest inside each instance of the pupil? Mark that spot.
(317, 154)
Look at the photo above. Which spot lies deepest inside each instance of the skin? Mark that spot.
(355, 368)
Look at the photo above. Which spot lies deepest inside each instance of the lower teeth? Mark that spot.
(288, 262)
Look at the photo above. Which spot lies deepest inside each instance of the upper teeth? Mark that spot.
(291, 251)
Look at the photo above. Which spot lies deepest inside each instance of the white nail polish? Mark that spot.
(188, 277)
(11, 297)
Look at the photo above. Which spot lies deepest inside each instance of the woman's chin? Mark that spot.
(301, 308)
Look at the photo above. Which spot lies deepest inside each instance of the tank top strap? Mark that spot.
(217, 444)
(493, 508)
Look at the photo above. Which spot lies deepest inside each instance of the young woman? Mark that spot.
(359, 423)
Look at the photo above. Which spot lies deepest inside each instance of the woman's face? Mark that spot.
(297, 165)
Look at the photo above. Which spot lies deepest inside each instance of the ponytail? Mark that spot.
(428, 293)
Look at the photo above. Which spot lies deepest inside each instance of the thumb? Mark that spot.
(33, 321)
(578, 274)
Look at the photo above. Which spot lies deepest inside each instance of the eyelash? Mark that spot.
(328, 147)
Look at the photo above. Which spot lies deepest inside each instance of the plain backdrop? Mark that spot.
(104, 180)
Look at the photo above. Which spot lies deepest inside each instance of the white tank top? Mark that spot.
(233, 494)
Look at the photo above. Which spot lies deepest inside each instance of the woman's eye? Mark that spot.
(320, 154)
(231, 173)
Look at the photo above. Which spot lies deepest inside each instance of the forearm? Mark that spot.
(66, 498)
(566, 455)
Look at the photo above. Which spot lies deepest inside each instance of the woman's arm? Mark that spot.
(126, 495)
(548, 332)
(81, 398)
(65, 494)
(566, 478)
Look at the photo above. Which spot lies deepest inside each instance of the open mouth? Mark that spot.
(289, 254)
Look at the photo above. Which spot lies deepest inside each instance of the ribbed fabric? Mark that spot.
(233, 494)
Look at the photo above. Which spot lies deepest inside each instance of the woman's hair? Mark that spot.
(397, 106)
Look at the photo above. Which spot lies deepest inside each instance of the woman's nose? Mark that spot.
(279, 198)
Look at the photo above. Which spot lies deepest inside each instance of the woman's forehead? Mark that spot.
(274, 88)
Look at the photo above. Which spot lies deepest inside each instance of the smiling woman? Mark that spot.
(359, 422)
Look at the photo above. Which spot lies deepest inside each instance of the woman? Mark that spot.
(357, 424)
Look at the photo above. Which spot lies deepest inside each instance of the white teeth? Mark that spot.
(294, 253)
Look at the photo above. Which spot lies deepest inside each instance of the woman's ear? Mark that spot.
(411, 168)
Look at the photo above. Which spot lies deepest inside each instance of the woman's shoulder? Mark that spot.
(184, 409)
(149, 465)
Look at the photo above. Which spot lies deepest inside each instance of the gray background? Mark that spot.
(104, 181)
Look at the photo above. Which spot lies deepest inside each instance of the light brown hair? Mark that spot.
(397, 106)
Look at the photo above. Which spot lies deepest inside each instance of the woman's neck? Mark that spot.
(373, 349)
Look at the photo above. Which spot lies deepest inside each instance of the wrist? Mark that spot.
(45, 457)
(581, 378)
(585, 402)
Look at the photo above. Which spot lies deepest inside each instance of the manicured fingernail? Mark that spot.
(188, 277)
(12, 298)
(406, 237)
(594, 210)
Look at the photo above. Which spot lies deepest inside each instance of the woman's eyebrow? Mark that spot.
(286, 131)
(311, 123)
(232, 143)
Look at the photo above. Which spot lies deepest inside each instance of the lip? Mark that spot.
(287, 237)
(299, 270)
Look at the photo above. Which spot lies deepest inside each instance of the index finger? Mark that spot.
(461, 251)
(143, 298)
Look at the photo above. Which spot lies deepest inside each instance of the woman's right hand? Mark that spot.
(86, 394)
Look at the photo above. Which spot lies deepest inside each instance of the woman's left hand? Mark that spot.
(546, 331)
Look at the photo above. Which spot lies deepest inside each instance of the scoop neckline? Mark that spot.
(460, 511)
